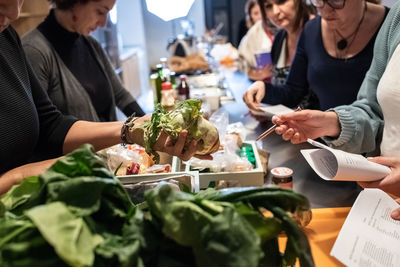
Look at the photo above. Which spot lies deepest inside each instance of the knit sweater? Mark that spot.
(362, 122)
(30, 123)
(65, 89)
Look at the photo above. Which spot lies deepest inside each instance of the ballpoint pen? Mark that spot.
(271, 129)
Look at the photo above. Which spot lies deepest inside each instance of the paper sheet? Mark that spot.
(334, 164)
(271, 110)
(369, 236)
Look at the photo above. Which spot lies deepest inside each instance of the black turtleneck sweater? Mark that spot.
(77, 55)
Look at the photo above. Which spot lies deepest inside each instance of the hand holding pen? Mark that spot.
(299, 126)
(272, 128)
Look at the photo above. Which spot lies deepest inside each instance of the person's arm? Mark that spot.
(15, 176)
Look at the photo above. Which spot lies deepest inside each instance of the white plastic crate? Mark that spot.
(254, 177)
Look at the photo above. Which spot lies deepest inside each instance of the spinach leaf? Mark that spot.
(67, 233)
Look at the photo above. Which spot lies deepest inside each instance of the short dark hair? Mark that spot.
(68, 4)
(302, 13)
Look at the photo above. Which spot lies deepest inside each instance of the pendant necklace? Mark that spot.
(342, 44)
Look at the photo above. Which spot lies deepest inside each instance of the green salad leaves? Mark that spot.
(78, 214)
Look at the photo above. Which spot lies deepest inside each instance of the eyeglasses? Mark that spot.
(335, 4)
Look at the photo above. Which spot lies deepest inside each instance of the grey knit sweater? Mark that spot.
(66, 92)
(362, 122)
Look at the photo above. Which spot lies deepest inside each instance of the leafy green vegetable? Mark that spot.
(67, 233)
(78, 214)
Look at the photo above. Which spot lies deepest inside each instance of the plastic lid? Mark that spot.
(282, 172)
(166, 85)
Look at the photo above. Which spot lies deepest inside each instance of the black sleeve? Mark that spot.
(296, 87)
(133, 107)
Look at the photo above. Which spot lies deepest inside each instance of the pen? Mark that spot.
(271, 129)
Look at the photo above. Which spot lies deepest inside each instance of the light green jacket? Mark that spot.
(362, 122)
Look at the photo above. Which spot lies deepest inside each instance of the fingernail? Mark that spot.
(396, 214)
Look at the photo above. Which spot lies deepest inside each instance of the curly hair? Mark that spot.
(68, 4)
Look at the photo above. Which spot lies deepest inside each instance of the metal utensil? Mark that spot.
(271, 129)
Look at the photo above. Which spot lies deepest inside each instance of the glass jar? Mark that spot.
(282, 177)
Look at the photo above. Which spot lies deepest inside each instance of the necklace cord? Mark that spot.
(342, 43)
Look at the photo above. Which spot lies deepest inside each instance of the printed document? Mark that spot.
(337, 165)
(369, 236)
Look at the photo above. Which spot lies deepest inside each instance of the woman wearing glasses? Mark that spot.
(333, 54)
(370, 125)
(289, 16)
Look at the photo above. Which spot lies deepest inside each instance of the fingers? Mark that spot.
(177, 147)
(204, 157)
(395, 214)
(161, 140)
(191, 150)
(387, 161)
(375, 184)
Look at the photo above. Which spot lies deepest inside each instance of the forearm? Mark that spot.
(98, 134)
(15, 176)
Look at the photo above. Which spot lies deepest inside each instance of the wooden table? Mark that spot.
(322, 232)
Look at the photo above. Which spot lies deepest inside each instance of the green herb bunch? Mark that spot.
(78, 214)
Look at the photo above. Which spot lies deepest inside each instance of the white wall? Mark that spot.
(130, 23)
(158, 31)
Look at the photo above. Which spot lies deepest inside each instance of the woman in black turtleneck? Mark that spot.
(73, 67)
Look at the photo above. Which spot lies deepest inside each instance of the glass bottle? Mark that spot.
(183, 89)
(159, 81)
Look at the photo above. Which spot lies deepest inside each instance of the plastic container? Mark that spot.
(282, 177)
(167, 96)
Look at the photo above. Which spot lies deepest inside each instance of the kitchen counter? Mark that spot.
(321, 193)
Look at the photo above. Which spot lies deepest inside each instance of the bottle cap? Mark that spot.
(166, 85)
(182, 77)
(282, 172)
(163, 60)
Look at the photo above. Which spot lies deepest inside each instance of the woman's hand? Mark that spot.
(254, 94)
(165, 144)
(389, 184)
(300, 125)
